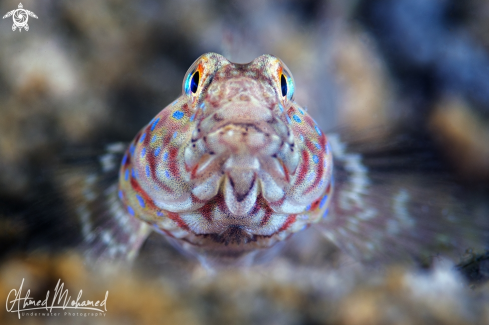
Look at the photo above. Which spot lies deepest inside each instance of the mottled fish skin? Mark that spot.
(232, 166)
(395, 202)
(89, 182)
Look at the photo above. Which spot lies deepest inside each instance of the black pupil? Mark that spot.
(284, 85)
(194, 83)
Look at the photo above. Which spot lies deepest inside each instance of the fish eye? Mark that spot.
(283, 85)
(194, 82)
(285, 82)
(200, 74)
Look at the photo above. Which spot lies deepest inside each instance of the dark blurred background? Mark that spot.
(89, 72)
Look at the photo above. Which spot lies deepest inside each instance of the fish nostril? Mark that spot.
(217, 117)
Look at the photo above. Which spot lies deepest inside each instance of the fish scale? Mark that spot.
(235, 166)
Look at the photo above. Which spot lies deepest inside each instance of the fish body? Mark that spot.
(234, 167)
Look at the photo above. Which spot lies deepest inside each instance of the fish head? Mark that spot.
(233, 159)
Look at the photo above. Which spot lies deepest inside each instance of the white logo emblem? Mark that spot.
(20, 17)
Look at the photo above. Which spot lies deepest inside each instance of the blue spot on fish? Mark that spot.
(281, 107)
(157, 151)
(124, 159)
(130, 210)
(141, 201)
(143, 152)
(154, 124)
(323, 201)
(127, 174)
(132, 148)
(315, 158)
(317, 146)
(317, 129)
(296, 118)
(142, 138)
(165, 156)
(159, 214)
(153, 139)
(177, 115)
(133, 173)
(326, 213)
(121, 195)
(202, 106)
(147, 171)
(175, 134)
(308, 207)
(302, 112)
(302, 138)
(167, 174)
(192, 118)
(288, 119)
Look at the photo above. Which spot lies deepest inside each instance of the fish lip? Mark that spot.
(246, 242)
(237, 124)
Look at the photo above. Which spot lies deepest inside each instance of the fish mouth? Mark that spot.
(234, 159)
(231, 248)
(233, 235)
